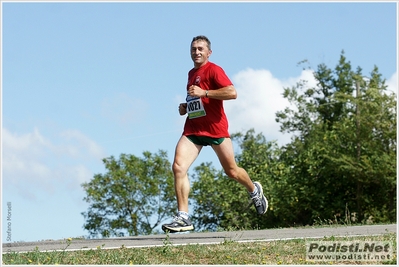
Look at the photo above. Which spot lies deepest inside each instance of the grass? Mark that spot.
(228, 252)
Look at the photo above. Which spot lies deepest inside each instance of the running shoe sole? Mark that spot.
(178, 229)
(178, 225)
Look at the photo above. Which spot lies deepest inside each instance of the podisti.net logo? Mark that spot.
(354, 250)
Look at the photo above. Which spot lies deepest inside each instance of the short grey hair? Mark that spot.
(202, 38)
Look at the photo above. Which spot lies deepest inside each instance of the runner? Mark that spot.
(206, 124)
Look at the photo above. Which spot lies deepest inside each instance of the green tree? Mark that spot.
(221, 203)
(218, 202)
(133, 197)
(343, 153)
(368, 138)
(261, 159)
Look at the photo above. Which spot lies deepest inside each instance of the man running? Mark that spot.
(206, 124)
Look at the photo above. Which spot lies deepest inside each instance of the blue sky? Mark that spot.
(85, 81)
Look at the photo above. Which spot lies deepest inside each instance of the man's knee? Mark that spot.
(178, 168)
(232, 173)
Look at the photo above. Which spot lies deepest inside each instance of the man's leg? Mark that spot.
(225, 153)
(185, 154)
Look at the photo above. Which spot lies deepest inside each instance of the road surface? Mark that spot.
(200, 238)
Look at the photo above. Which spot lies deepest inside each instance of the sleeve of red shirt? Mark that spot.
(220, 78)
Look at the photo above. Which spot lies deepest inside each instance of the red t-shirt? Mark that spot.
(207, 115)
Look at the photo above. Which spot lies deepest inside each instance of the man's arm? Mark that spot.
(224, 93)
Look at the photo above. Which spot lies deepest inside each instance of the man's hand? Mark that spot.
(196, 91)
(182, 108)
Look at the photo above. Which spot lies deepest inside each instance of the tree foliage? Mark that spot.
(217, 200)
(344, 152)
(221, 203)
(132, 198)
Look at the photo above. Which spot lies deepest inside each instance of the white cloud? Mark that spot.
(33, 164)
(392, 83)
(82, 144)
(259, 98)
(34, 142)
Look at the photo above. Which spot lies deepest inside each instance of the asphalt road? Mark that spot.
(200, 238)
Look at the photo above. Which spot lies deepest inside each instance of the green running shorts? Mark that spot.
(205, 140)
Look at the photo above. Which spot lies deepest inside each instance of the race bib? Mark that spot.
(195, 107)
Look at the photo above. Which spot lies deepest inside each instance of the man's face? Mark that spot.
(200, 53)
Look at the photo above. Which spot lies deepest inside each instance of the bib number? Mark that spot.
(195, 108)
